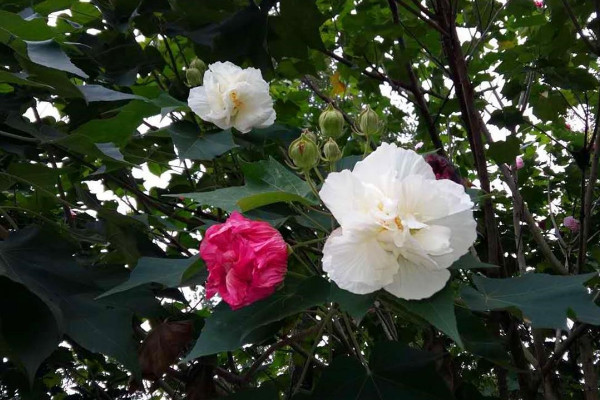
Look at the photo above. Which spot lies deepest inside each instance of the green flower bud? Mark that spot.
(194, 77)
(310, 135)
(331, 122)
(304, 152)
(368, 122)
(331, 151)
(199, 65)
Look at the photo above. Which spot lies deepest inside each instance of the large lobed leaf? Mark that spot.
(267, 182)
(545, 300)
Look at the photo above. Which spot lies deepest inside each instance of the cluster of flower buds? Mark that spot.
(195, 73)
(304, 151)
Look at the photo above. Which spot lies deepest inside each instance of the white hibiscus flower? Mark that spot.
(233, 97)
(400, 228)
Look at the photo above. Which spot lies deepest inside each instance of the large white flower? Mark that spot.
(233, 97)
(400, 228)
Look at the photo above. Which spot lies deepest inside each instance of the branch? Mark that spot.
(588, 197)
(563, 348)
(308, 81)
(587, 42)
(267, 353)
(423, 18)
(415, 88)
(473, 122)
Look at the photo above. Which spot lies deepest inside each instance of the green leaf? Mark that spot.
(267, 182)
(356, 305)
(43, 262)
(168, 272)
(228, 330)
(117, 129)
(19, 79)
(438, 310)
(111, 151)
(506, 151)
(93, 93)
(295, 29)
(479, 339)
(49, 54)
(190, 144)
(545, 300)
(508, 117)
(35, 29)
(469, 262)
(28, 333)
(395, 372)
(103, 329)
(37, 174)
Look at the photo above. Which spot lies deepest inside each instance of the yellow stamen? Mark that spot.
(237, 103)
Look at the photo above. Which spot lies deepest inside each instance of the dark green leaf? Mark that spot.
(438, 310)
(356, 305)
(395, 372)
(28, 330)
(506, 151)
(469, 262)
(545, 300)
(92, 93)
(228, 330)
(191, 144)
(49, 54)
(267, 182)
(168, 272)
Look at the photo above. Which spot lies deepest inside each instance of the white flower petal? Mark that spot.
(389, 163)
(434, 239)
(414, 283)
(198, 101)
(464, 233)
(348, 200)
(427, 200)
(356, 262)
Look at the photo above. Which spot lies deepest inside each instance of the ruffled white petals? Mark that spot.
(414, 283)
(357, 263)
(390, 163)
(232, 97)
(464, 233)
(400, 227)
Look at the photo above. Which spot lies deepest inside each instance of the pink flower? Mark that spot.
(245, 259)
(568, 126)
(419, 145)
(519, 162)
(539, 3)
(571, 223)
(442, 168)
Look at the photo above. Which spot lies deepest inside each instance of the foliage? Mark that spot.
(109, 182)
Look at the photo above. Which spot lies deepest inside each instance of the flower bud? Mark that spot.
(310, 135)
(194, 77)
(519, 163)
(199, 65)
(368, 122)
(331, 151)
(304, 152)
(571, 223)
(331, 122)
(442, 168)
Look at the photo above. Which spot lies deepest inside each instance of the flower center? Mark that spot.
(237, 103)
